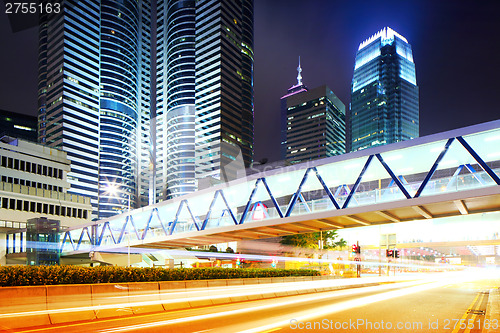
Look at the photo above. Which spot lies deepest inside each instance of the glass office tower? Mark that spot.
(94, 97)
(204, 123)
(384, 93)
(315, 125)
(312, 123)
(224, 87)
(175, 108)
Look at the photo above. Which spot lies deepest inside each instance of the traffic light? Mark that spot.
(358, 249)
(238, 262)
(273, 264)
(392, 253)
(354, 249)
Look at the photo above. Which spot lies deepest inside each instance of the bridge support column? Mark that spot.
(3, 249)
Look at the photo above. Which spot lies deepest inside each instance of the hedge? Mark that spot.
(50, 275)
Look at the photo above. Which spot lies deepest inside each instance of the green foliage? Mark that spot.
(51, 275)
(311, 240)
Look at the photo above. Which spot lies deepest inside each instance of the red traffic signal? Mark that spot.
(392, 253)
(354, 249)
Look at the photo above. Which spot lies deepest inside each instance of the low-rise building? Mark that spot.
(34, 184)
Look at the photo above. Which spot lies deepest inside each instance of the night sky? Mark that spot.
(456, 49)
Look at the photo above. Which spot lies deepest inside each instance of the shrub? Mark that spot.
(50, 275)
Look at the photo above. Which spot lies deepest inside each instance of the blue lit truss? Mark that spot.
(95, 235)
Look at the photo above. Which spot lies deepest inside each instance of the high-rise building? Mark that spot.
(175, 100)
(295, 89)
(312, 123)
(224, 86)
(94, 98)
(384, 93)
(205, 92)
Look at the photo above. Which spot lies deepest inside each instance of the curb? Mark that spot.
(492, 312)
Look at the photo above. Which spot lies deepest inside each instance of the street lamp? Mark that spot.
(114, 190)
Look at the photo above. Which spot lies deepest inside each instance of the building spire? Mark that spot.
(299, 76)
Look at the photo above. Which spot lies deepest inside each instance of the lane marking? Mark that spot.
(473, 317)
(472, 306)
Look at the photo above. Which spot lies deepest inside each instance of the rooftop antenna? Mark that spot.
(299, 76)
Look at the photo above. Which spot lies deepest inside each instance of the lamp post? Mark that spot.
(114, 190)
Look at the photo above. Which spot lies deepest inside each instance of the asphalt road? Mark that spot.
(431, 305)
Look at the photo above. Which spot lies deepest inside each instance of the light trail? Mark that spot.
(362, 301)
(430, 281)
(337, 294)
(269, 258)
(193, 294)
(409, 288)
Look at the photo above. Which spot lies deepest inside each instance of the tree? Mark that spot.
(311, 240)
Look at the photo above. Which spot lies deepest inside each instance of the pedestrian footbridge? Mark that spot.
(445, 174)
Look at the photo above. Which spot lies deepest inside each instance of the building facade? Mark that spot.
(205, 92)
(34, 184)
(175, 102)
(94, 98)
(224, 87)
(312, 123)
(384, 93)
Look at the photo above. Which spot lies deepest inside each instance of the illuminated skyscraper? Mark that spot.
(175, 101)
(94, 98)
(384, 93)
(224, 86)
(312, 123)
(205, 92)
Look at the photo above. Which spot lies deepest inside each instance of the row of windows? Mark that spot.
(16, 164)
(43, 208)
(29, 183)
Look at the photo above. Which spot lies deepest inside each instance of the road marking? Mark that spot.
(457, 326)
(475, 305)
(473, 318)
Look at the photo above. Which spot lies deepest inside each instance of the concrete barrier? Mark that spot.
(63, 297)
(167, 286)
(23, 307)
(108, 294)
(265, 280)
(251, 281)
(165, 289)
(217, 283)
(145, 292)
(235, 282)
